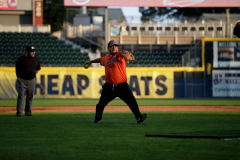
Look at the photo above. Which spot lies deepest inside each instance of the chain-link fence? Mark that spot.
(192, 58)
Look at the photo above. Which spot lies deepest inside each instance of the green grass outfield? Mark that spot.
(117, 101)
(72, 135)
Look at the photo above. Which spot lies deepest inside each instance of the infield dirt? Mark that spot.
(125, 108)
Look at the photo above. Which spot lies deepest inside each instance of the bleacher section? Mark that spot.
(50, 51)
(156, 59)
(53, 52)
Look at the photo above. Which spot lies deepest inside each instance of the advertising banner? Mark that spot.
(226, 83)
(8, 4)
(37, 12)
(82, 83)
(226, 54)
(154, 3)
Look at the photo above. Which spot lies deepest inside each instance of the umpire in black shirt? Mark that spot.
(27, 66)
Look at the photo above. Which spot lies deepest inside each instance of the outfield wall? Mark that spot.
(222, 63)
(218, 76)
(71, 82)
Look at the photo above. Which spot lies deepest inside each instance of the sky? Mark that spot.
(133, 12)
(130, 12)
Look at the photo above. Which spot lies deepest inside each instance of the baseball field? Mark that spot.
(175, 129)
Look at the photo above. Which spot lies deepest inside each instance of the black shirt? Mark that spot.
(26, 67)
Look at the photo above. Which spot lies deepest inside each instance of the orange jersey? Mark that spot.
(115, 68)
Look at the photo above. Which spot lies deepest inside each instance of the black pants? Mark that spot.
(122, 91)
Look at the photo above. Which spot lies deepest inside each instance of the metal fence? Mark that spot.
(192, 58)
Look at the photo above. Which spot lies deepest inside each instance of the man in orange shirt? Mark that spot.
(116, 82)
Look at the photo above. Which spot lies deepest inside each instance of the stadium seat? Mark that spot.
(54, 52)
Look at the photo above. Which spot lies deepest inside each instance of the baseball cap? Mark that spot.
(112, 42)
(30, 48)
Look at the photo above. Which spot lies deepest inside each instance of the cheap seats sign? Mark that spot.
(82, 83)
(154, 3)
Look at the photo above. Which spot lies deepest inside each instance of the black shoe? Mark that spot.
(29, 114)
(142, 118)
(96, 121)
(18, 115)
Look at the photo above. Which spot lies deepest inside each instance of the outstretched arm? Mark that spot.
(236, 30)
(97, 60)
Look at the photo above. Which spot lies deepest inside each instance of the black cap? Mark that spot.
(30, 48)
(112, 42)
